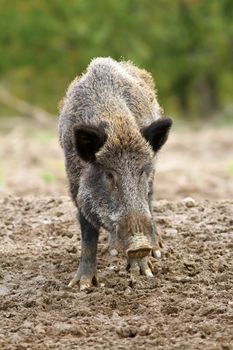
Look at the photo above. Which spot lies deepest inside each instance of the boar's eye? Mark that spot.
(146, 170)
(142, 172)
(110, 179)
(109, 176)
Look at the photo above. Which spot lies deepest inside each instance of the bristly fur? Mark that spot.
(119, 99)
(119, 94)
(110, 128)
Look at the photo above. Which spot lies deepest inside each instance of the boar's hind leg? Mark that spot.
(86, 274)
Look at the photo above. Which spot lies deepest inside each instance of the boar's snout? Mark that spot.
(138, 248)
(134, 231)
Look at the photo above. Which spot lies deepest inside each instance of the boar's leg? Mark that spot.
(140, 266)
(86, 274)
(112, 246)
(113, 243)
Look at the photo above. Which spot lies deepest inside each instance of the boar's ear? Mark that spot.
(157, 132)
(88, 140)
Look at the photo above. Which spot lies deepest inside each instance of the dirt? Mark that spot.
(188, 303)
(194, 162)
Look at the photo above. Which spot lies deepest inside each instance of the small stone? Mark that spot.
(127, 332)
(144, 330)
(29, 303)
(170, 232)
(128, 291)
(189, 202)
(4, 290)
(47, 221)
(59, 213)
(122, 273)
(113, 252)
(78, 331)
(72, 249)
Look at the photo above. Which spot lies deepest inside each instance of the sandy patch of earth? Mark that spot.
(186, 305)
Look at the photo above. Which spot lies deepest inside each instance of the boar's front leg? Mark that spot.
(86, 274)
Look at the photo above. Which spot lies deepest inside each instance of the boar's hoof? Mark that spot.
(84, 282)
(138, 248)
(139, 267)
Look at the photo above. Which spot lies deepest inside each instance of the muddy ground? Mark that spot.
(188, 303)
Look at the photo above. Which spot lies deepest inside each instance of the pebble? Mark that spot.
(189, 202)
(128, 291)
(170, 232)
(4, 290)
(144, 330)
(71, 249)
(122, 273)
(113, 252)
(127, 331)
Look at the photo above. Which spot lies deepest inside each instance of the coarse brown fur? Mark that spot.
(118, 95)
(110, 128)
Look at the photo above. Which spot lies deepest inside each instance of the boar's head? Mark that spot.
(116, 179)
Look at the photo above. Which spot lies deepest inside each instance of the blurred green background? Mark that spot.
(186, 44)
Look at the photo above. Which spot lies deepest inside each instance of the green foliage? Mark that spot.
(230, 169)
(43, 136)
(186, 44)
(2, 177)
(48, 177)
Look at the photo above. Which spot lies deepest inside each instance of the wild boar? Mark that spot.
(111, 128)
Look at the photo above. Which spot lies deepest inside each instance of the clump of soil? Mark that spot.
(186, 305)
